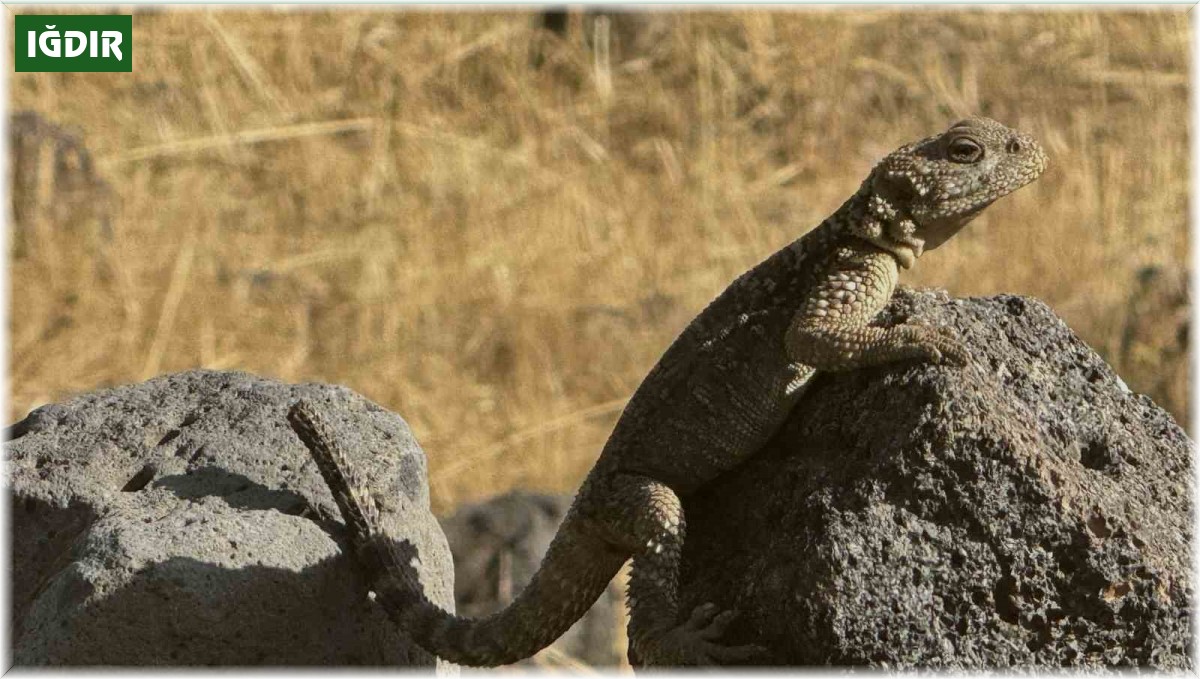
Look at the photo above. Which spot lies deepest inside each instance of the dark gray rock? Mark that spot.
(499, 544)
(1027, 510)
(180, 521)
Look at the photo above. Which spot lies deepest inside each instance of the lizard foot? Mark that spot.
(944, 346)
(695, 643)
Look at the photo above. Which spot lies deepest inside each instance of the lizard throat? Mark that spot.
(875, 217)
(906, 254)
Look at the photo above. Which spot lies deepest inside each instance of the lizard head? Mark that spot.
(923, 193)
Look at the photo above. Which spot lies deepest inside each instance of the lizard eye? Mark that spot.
(964, 150)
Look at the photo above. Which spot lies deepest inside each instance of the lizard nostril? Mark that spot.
(1014, 146)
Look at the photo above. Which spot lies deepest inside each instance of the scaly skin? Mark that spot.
(714, 399)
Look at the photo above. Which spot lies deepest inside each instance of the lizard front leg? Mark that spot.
(831, 331)
(648, 516)
(840, 347)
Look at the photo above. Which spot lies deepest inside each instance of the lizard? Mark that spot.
(715, 397)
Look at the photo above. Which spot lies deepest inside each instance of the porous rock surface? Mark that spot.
(1027, 510)
(180, 522)
(498, 545)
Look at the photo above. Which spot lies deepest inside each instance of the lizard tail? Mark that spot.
(574, 573)
(572, 576)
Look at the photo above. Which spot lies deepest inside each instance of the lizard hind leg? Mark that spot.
(651, 521)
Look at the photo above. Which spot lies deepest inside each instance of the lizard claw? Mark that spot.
(694, 643)
(944, 346)
(707, 624)
(955, 354)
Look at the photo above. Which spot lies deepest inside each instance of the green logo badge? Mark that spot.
(74, 42)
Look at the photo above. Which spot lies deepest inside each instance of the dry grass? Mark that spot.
(400, 202)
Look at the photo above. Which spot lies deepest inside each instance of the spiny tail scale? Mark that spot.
(360, 513)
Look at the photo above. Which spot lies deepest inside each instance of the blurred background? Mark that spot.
(494, 223)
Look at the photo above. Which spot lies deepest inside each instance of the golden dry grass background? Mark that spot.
(401, 202)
